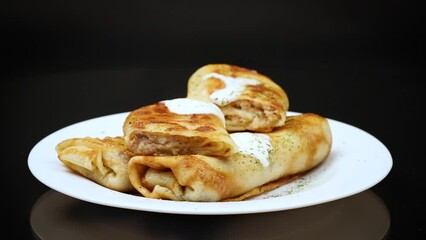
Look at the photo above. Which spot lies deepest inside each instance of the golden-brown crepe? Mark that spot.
(178, 126)
(103, 161)
(249, 100)
(263, 162)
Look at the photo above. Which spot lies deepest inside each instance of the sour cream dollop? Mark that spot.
(233, 88)
(192, 106)
(255, 144)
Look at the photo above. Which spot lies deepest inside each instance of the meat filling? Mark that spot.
(161, 144)
(241, 115)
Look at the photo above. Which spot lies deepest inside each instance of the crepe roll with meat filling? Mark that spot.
(103, 161)
(264, 161)
(178, 126)
(249, 100)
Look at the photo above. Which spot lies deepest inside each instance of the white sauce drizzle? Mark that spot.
(233, 88)
(255, 144)
(192, 106)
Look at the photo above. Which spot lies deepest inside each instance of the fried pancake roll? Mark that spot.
(178, 126)
(103, 161)
(263, 162)
(249, 100)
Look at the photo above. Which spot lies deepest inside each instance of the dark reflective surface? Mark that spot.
(362, 216)
(359, 62)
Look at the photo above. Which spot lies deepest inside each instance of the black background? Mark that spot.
(359, 62)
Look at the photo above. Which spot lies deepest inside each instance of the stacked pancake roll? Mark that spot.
(229, 139)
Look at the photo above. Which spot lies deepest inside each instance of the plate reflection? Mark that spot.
(361, 216)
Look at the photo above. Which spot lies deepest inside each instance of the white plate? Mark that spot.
(357, 162)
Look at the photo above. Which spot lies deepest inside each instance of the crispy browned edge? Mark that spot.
(265, 188)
